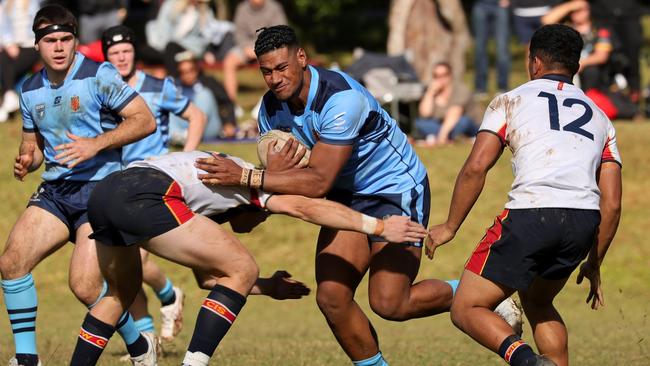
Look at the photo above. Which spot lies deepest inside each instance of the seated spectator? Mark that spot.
(250, 16)
(444, 109)
(594, 59)
(188, 82)
(188, 25)
(17, 53)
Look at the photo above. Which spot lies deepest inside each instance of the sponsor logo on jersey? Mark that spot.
(40, 110)
(74, 103)
(57, 101)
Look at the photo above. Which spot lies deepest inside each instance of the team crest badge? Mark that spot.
(40, 110)
(74, 103)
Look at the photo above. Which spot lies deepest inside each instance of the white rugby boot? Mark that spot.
(171, 317)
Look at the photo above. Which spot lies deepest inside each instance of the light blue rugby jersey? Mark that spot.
(341, 111)
(85, 104)
(162, 97)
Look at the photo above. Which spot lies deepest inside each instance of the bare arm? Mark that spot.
(30, 155)
(197, 121)
(598, 57)
(137, 123)
(425, 108)
(469, 184)
(313, 181)
(611, 188)
(396, 229)
(557, 13)
(451, 120)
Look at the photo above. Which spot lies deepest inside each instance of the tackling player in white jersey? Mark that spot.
(564, 203)
(161, 205)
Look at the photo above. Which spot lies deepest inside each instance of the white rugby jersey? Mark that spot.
(558, 138)
(203, 199)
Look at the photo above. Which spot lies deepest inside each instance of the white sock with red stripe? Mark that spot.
(218, 311)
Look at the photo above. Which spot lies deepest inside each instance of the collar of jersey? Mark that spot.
(558, 77)
(78, 59)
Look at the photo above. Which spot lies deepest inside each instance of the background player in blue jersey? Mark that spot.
(65, 109)
(163, 98)
(360, 158)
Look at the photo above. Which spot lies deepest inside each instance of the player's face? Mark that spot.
(188, 72)
(122, 55)
(283, 71)
(57, 50)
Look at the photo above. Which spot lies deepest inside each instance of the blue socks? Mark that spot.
(376, 360)
(167, 296)
(20, 298)
(145, 325)
(454, 286)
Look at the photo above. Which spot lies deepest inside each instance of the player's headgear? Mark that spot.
(272, 38)
(115, 35)
(558, 46)
(58, 18)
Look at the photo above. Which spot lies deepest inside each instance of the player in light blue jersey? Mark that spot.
(163, 98)
(69, 111)
(361, 158)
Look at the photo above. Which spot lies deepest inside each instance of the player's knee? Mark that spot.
(456, 313)
(84, 291)
(244, 271)
(388, 307)
(12, 267)
(331, 299)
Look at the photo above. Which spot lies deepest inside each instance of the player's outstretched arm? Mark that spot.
(280, 286)
(611, 189)
(395, 229)
(197, 121)
(313, 181)
(469, 184)
(30, 155)
(137, 123)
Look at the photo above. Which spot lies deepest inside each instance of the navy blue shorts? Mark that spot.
(526, 243)
(135, 205)
(415, 203)
(67, 200)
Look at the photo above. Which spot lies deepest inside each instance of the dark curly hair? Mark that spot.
(273, 38)
(54, 14)
(558, 46)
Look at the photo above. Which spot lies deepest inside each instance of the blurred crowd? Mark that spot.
(182, 38)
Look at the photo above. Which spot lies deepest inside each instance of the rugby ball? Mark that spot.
(281, 137)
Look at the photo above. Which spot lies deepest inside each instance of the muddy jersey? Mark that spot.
(558, 138)
(207, 200)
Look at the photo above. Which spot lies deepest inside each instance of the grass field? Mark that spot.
(269, 332)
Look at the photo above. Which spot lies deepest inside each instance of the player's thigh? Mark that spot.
(541, 292)
(476, 291)
(393, 268)
(122, 269)
(342, 259)
(36, 234)
(204, 245)
(85, 277)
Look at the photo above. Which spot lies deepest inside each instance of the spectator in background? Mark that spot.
(594, 58)
(95, 16)
(527, 17)
(444, 108)
(188, 82)
(623, 17)
(250, 16)
(187, 25)
(17, 53)
(491, 16)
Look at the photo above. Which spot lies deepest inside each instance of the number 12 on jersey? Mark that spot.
(574, 126)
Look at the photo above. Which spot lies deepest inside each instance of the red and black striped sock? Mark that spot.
(93, 338)
(218, 312)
